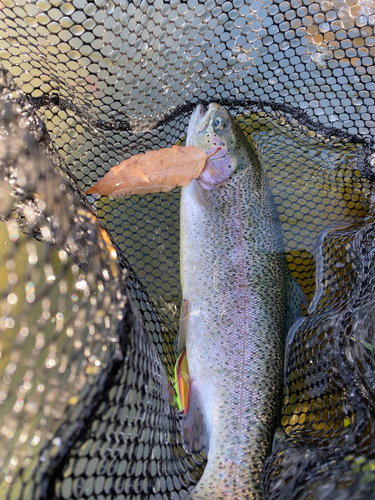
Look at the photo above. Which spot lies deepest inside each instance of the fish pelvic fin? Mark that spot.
(294, 318)
(296, 297)
(194, 433)
(278, 437)
(194, 430)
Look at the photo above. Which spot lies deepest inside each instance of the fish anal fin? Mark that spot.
(194, 429)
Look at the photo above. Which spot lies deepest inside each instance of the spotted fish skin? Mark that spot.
(234, 277)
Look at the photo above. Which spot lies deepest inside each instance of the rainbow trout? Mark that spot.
(235, 281)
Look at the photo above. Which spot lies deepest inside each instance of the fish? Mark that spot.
(239, 300)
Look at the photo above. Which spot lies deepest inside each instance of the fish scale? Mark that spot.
(234, 278)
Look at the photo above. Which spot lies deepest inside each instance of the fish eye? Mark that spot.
(220, 123)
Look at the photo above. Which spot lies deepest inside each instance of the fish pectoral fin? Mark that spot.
(183, 326)
(194, 430)
(295, 298)
(196, 193)
(278, 437)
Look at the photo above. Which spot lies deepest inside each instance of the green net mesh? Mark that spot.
(90, 290)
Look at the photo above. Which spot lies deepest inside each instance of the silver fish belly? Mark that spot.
(234, 277)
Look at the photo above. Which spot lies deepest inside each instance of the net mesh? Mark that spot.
(90, 288)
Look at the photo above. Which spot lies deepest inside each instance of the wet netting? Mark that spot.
(90, 289)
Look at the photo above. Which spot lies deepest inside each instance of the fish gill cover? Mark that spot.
(87, 406)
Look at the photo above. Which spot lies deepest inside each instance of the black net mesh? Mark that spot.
(90, 289)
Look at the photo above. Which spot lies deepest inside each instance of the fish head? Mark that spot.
(214, 129)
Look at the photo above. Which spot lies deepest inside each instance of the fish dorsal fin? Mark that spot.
(194, 430)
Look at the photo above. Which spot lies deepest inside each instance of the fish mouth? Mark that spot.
(200, 120)
(195, 119)
(206, 118)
